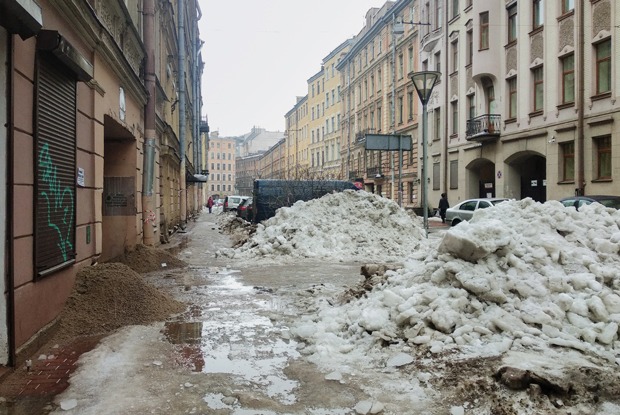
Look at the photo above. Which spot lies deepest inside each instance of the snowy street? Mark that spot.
(513, 316)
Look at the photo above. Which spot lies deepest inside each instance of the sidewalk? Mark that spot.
(33, 390)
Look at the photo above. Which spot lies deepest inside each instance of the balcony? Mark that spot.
(360, 136)
(484, 128)
(374, 172)
(204, 125)
(354, 174)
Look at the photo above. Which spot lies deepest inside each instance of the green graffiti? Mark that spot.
(58, 200)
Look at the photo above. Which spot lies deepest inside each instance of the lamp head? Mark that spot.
(424, 82)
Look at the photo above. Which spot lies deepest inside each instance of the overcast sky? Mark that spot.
(259, 55)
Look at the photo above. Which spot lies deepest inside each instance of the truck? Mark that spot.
(271, 194)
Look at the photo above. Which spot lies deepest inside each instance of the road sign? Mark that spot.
(388, 142)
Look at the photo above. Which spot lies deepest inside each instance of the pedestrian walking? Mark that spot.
(210, 203)
(443, 206)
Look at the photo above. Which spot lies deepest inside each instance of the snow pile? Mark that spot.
(521, 275)
(345, 226)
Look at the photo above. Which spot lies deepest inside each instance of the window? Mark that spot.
(568, 161)
(400, 110)
(512, 97)
(512, 23)
(372, 85)
(438, 13)
(603, 157)
(484, 30)
(471, 106)
(568, 79)
(455, 56)
(410, 54)
(539, 88)
(438, 62)
(410, 104)
(454, 174)
(455, 117)
(603, 67)
(455, 8)
(470, 47)
(539, 14)
(568, 6)
(401, 66)
(437, 119)
(436, 176)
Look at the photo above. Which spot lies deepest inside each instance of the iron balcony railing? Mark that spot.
(373, 172)
(354, 174)
(360, 136)
(484, 127)
(204, 125)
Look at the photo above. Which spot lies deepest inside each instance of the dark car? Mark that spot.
(605, 200)
(244, 210)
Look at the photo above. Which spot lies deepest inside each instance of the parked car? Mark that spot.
(232, 202)
(244, 210)
(605, 200)
(465, 210)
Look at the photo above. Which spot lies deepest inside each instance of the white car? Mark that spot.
(465, 210)
(232, 202)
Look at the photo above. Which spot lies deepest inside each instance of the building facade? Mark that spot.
(221, 164)
(296, 134)
(76, 98)
(533, 101)
(379, 98)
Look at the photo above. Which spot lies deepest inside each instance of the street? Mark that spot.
(298, 315)
(232, 352)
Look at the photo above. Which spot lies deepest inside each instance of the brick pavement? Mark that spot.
(47, 376)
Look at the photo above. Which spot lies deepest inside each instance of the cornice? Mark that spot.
(93, 27)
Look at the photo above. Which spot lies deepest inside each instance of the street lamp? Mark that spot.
(424, 82)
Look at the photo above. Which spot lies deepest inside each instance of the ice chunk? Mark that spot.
(68, 404)
(401, 359)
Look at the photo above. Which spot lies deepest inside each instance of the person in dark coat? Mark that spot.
(443, 206)
(210, 203)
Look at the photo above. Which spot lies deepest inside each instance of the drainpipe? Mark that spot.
(196, 124)
(148, 208)
(393, 106)
(444, 147)
(581, 184)
(181, 49)
(9, 203)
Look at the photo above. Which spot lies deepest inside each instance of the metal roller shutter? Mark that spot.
(55, 132)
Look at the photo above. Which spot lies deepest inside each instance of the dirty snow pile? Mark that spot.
(518, 276)
(345, 226)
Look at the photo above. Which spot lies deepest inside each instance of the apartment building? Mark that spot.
(221, 164)
(80, 98)
(272, 163)
(296, 135)
(325, 129)
(316, 126)
(379, 98)
(533, 102)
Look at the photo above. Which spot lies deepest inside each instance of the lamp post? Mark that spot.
(424, 82)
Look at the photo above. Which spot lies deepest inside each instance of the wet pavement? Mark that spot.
(230, 353)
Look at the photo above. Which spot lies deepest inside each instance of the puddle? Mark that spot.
(183, 333)
(235, 338)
